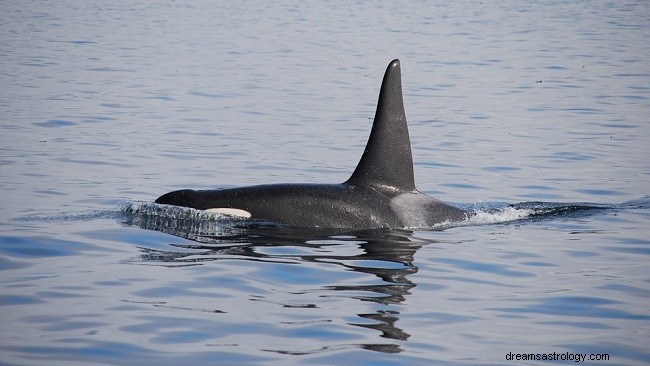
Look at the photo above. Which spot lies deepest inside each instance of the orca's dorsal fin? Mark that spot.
(386, 162)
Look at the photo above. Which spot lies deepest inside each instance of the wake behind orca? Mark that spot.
(381, 192)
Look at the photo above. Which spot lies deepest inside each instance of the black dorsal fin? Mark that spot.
(386, 162)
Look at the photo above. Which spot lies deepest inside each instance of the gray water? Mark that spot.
(106, 105)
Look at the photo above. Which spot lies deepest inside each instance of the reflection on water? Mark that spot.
(386, 254)
(384, 259)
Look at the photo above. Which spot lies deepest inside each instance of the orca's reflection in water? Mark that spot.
(386, 254)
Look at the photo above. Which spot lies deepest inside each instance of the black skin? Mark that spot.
(324, 205)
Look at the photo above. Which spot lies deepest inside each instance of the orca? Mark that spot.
(381, 192)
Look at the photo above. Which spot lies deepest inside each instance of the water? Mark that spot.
(106, 106)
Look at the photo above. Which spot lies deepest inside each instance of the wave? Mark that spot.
(185, 222)
(488, 214)
(504, 213)
(205, 226)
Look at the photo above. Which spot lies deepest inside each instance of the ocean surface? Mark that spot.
(534, 115)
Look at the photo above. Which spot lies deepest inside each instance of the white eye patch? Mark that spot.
(230, 211)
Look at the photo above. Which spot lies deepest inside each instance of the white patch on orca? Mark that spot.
(230, 212)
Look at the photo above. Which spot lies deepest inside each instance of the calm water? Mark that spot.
(105, 106)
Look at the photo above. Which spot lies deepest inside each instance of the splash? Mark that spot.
(500, 213)
(205, 226)
(185, 222)
(499, 216)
